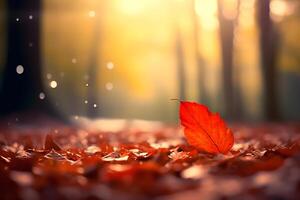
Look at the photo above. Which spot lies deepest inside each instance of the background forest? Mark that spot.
(128, 58)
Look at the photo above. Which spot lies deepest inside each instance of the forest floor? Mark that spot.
(118, 159)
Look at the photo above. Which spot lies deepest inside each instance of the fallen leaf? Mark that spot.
(205, 130)
(50, 144)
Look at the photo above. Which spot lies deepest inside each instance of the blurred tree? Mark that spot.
(180, 66)
(20, 92)
(199, 60)
(228, 15)
(179, 50)
(268, 51)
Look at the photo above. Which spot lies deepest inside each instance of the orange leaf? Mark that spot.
(205, 130)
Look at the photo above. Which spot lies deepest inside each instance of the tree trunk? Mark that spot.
(203, 97)
(20, 92)
(180, 66)
(268, 49)
(227, 26)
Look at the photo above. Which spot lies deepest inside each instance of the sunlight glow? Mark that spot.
(92, 13)
(131, 7)
(207, 12)
(49, 76)
(135, 57)
(42, 95)
(74, 60)
(109, 86)
(110, 65)
(20, 69)
(280, 9)
(53, 84)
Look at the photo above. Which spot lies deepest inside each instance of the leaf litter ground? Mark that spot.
(133, 163)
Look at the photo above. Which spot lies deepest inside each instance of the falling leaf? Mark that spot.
(205, 130)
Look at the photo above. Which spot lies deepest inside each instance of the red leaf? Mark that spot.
(50, 144)
(205, 130)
